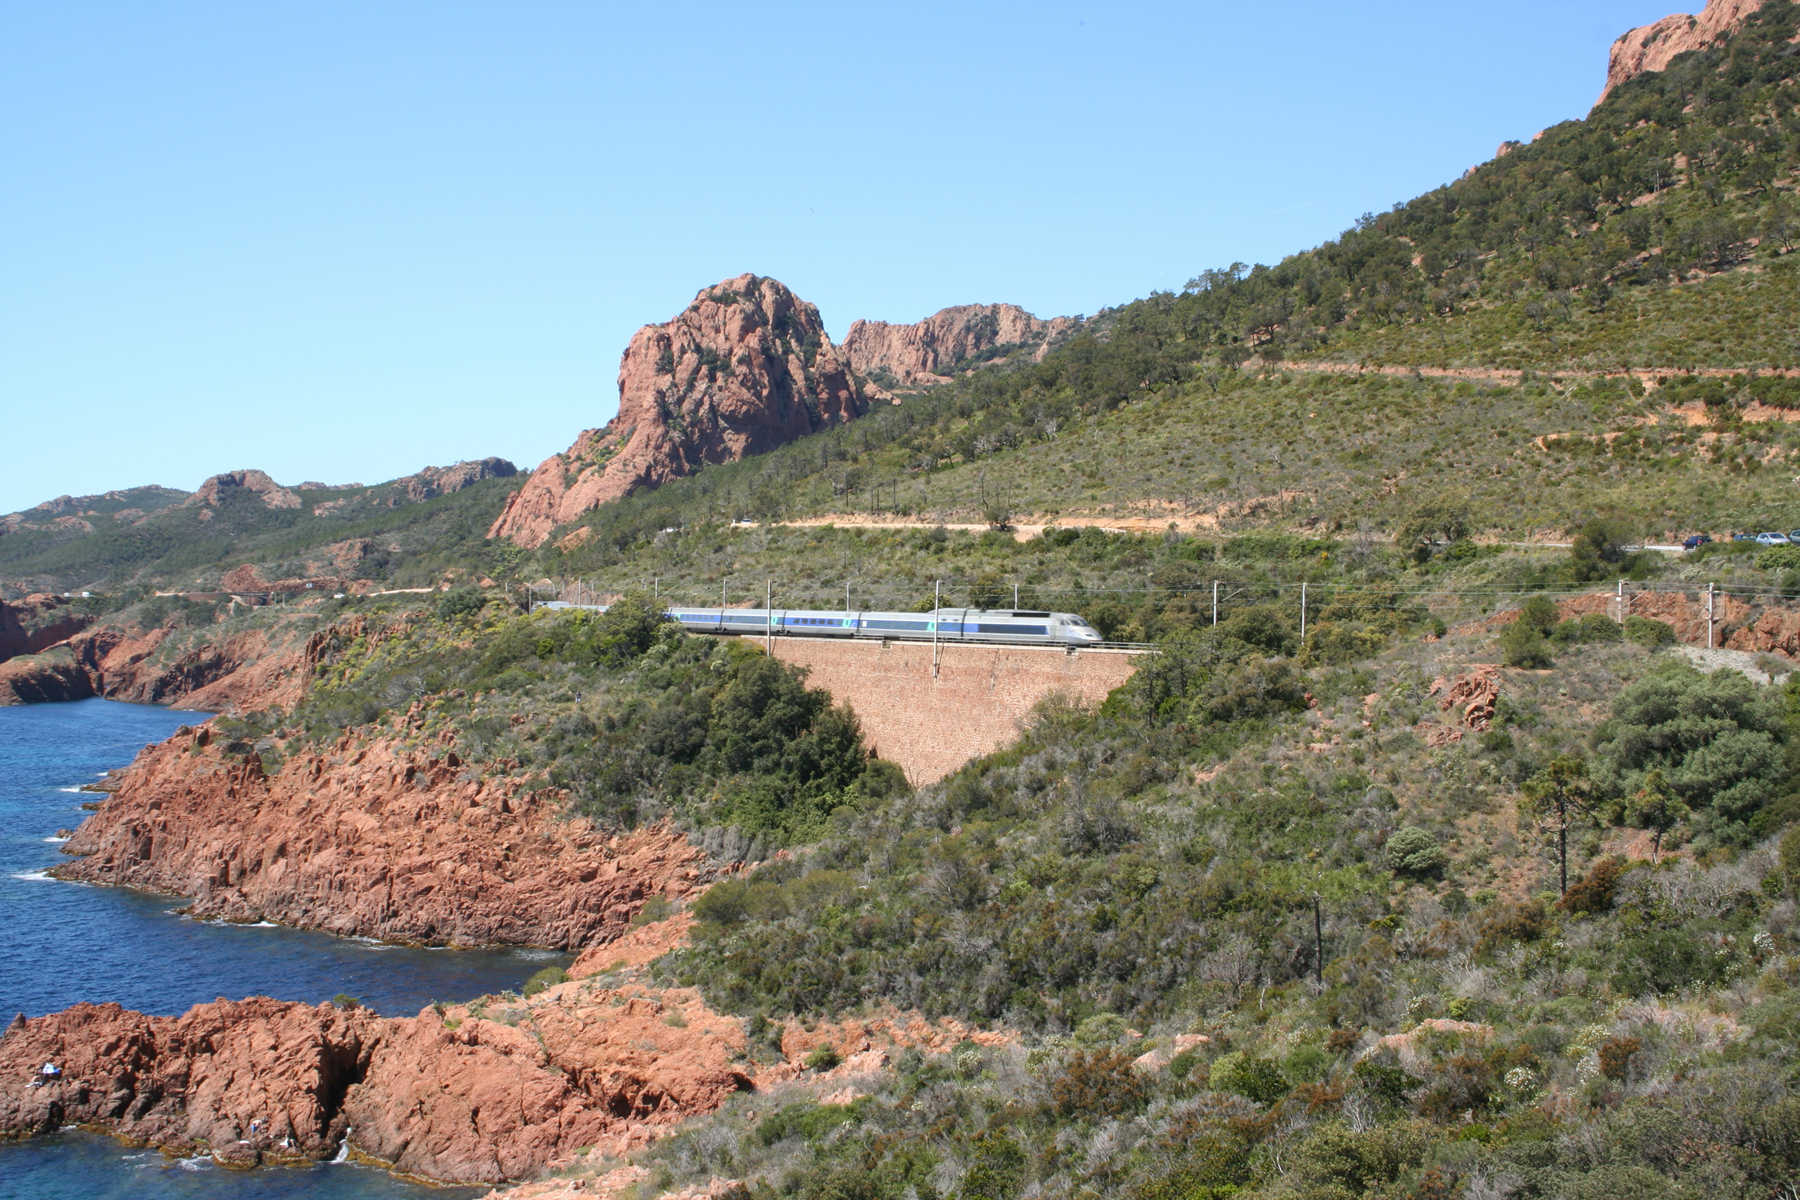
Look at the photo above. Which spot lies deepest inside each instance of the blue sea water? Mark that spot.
(63, 942)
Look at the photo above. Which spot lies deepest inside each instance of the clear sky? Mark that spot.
(343, 241)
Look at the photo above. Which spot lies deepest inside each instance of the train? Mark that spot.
(1005, 626)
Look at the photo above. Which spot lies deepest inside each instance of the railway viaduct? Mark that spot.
(932, 722)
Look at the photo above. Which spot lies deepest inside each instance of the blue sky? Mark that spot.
(342, 241)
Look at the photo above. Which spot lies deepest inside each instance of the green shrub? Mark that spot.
(1541, 613)
(1779, 558)
(734, 901)
(460, 602)
(805, 1120)
(1647, 632)
(1495, 741)
(823, 1058)
(1101, 1029)
(1415, 853)
(1665, 960)
(547, 978)
(1593, 627)
(1248, 1075)
(1307, 1063)
(345, 1001)
(1790, 858)
(1523, 645)
(656, 908)
(1256, 687)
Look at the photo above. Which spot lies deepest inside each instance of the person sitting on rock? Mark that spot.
(48, 1073)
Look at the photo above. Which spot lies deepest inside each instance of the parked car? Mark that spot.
(1743, 537)
(1697, 541)
(1771, 539)
(1794, 536)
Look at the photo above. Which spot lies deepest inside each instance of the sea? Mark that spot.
(67, 942)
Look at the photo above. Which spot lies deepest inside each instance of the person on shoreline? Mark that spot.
(48, 1073)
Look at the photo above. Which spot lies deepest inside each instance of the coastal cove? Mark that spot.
(68, 943)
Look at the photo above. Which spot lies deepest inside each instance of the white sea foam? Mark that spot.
(44, 874)
(200, 1162)
(69, 789)
(56, 839)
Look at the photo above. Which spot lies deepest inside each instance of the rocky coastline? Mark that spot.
(372, 838)
(502, 1088)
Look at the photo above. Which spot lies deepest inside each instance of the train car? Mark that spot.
(1005, 626)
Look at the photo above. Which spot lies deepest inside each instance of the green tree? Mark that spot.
(1598, 550)
(1718, 740)
(627, 628)
(1655, 807)
(1557, 797)
(1445, 518)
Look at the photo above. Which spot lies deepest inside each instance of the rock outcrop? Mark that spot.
(256, 483)
(374, 839)
(209, 669)
(485, 1092)
(911, 355)
(442, 481)
(747, 367)
(43, 678)
(36, 623)
(1653, 47)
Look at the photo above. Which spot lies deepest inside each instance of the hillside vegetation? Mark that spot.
(1126, 876)
(1654, 235)
(408, 542)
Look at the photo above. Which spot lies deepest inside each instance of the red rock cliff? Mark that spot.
(1653, 47)
(208, 669)
(746, 368)
(372, 839)
(912, 354)
(482, 1092)
(35, 624)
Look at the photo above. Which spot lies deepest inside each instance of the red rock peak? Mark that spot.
(747, 367)
(1653, 47)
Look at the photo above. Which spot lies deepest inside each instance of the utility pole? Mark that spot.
(936, 603)
(1710, 588)
(1015, 595)
(1215, 602)
(846, 595)
(1303, 614)
(769, 618)
(1621, 601)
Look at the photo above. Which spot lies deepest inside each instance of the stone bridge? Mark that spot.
(930, 723)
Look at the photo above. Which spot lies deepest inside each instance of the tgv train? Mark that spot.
(945, 625)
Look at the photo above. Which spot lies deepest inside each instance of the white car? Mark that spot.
(1772, 539)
